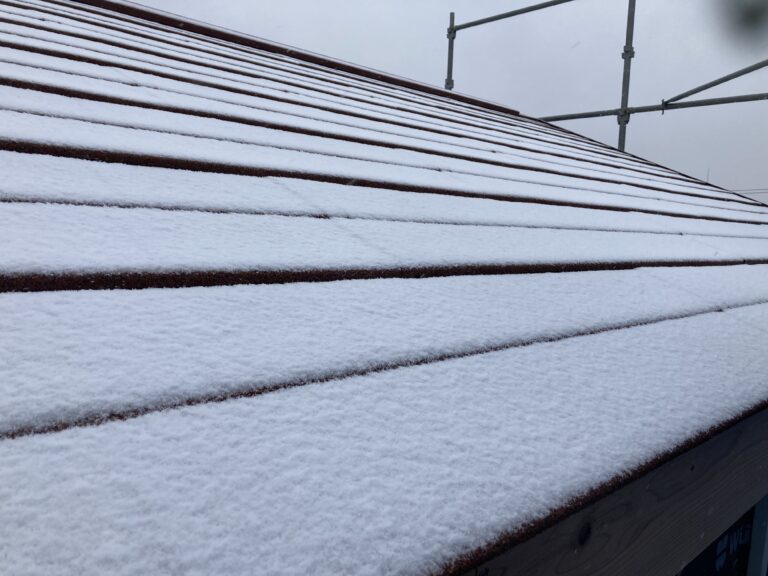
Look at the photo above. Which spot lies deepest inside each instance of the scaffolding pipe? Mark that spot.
(717, 82)
(451, 39)
(512, 14)
(453, 29)
(624, 112)
(627, 55)
(659, 107)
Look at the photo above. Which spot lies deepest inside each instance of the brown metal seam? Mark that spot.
(29, 85)
(177, 25)
(437, 104)
(341, 216)
(656, 176)
(138, 50)
(362, 113)
(521, 167)
(25, 85)
(180, 33)
(249, 74)
(129, 413)
(624, 154)
(140, 280)
(234, 90)
(512, 120)
(239, 57)
(132, 159)
(413, 166)
(175, 22)
(755, 409)
(637, 158)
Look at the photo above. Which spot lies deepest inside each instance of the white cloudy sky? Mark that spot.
(565, 59)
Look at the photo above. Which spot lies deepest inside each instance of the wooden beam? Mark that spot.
(657, 523)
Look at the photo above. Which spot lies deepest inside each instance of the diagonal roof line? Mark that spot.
(136, 159)
(194, 26)
(228, 117)
(605, 179)
(141, 280)
(228, 62)
(189, 25)
(180, 207)
(169, 73)
(467, 563)
(98, 418)
(433, 129)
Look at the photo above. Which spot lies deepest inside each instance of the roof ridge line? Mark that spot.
(136, 10)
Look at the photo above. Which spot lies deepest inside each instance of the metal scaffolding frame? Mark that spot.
(624, 112)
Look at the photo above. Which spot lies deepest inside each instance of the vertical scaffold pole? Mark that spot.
(627, 55)
(451, 38)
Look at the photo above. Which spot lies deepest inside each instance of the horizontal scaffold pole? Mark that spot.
(660, 107)
(512, 14)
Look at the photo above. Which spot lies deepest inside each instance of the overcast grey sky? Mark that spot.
(564, 59)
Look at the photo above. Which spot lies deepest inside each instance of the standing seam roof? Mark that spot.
(262, 306)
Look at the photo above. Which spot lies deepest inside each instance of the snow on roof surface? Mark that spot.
(355, 325)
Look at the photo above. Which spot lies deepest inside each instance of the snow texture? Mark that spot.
(355, 91)
(19, 34)
(83, 354)
(393, 473)
(53, 239)
(130, 116)
(425, 417)
(296, 115)
(89, 135)
(128, 83)
(51, 179)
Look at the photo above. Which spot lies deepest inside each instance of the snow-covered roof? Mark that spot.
(264, 312)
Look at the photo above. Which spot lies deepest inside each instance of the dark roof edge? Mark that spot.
(174, 21)
(470, 561)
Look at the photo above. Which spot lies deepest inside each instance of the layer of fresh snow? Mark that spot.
(257, 60)
(50, 239)
(45, 178)
(250, 57)
(86, 77)
(380, 94)
(79, 134)
(292, 113)
(133, 117)
(104, 80)
(392, 473)
(279, 68)
(76, 354)
(159, 63)
(205, 63)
